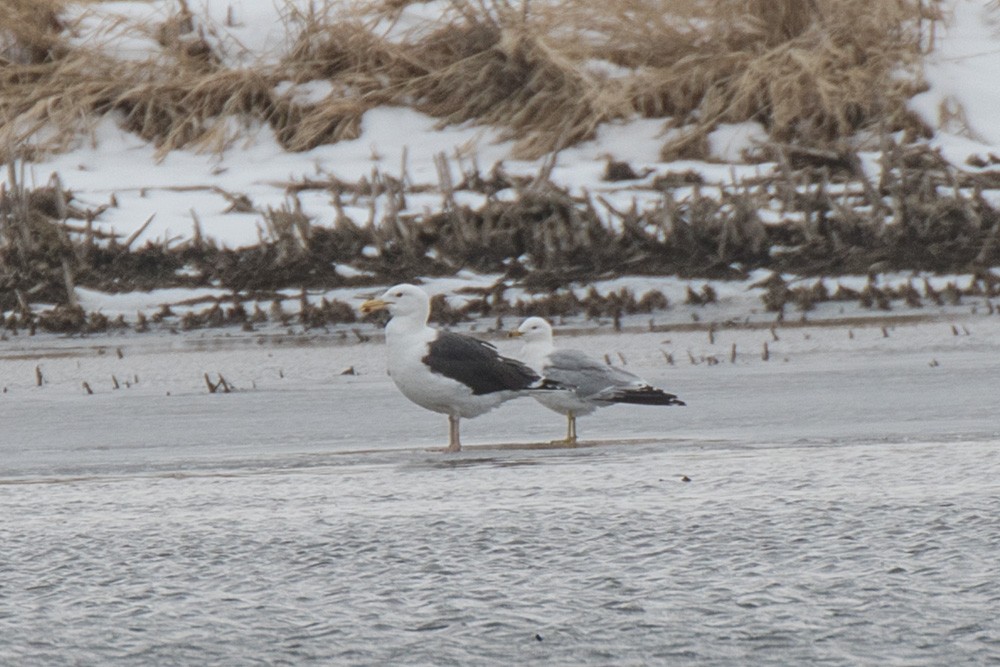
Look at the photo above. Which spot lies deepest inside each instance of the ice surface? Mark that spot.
(849, 483)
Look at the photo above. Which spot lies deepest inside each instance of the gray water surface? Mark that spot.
(833, 516)
(837, 554)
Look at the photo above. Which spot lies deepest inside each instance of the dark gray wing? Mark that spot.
(477, 364)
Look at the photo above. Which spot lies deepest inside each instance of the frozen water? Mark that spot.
(840, 510)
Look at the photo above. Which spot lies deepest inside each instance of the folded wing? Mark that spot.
(594, 380)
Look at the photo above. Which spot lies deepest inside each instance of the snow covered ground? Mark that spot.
(186, 186)
(186, 183)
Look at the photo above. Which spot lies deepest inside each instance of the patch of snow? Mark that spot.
(729, 142)
(961, 100)
(306, 93)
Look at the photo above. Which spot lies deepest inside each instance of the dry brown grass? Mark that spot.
(547, 74)
(810, 72)
(923, 215)
(29, 31)
(513, 71)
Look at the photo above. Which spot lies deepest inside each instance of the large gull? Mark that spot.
(595, 383)
(446, 372)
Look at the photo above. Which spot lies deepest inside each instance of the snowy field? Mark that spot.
(186, 188)
(840, 510)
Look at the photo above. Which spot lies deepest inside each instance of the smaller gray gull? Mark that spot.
(595, 383)
(446, 372)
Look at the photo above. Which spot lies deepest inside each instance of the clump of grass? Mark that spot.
(173, 98)
(811, 73)
(358, 64)
(562, 303)
(37, 257)
(183, 106)
(327, 312)
(506, 71)
(30, 31)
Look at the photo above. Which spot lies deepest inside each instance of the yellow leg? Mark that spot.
(454, 444)
(570, 431)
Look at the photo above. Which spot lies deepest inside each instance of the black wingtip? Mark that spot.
(647, 396)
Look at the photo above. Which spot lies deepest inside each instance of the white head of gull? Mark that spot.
(446, 372)
(595, 384)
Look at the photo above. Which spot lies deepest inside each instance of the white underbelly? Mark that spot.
(564, 402)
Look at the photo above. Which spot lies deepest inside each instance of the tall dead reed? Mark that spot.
(545, 74)
(811, 72)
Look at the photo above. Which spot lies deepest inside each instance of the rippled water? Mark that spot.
(834, 554)
(836, 514)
